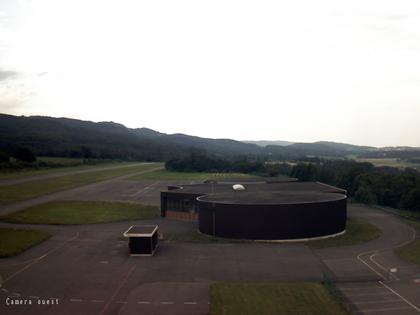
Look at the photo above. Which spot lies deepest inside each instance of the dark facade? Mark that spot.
(143, 239)
(273, 221)
(262, 211)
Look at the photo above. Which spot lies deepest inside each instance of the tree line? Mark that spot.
(386, 186)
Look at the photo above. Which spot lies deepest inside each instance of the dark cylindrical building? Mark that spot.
(272, 215)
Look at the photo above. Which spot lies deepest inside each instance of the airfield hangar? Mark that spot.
(259, 209)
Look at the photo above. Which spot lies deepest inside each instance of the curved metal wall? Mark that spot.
(273, 222)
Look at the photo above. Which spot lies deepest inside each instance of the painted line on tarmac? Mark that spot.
(360, 288)
(97, 301)
(371, 258)
(76, 300)
(401, 297)
(376, 302)
(375, 253)
(167, 303)
(369, 294)
(382, 310)
(118, 289)
(144, 190)
(359, 257)
(39, 259)
(143, 302)
(190, 303)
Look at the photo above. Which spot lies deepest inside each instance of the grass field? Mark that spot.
(273, 299)
(26, 172)
(22, 191)
(410, 252)
(82, 212)
(168, 175)
(392, 162)
(14, 241)
(357, 231)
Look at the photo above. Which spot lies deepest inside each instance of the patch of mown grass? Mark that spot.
(22, 191)
(82, 212)
(357, 231)
(273, 299)
(15, 241)
(414, 224)
(169, 175)
(410, 252)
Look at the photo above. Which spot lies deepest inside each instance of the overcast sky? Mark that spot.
(304, 70)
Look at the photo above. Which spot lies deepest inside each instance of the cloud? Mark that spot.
(4, 74)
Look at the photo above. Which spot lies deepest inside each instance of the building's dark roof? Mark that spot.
(140, 230)
(215, 188)
(271, 197)
(259, 180)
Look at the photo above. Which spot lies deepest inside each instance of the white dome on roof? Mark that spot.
(238, 187)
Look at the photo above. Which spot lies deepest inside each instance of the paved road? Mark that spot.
(70, 194)
(362, 273)
(87, 269)
(13, 181)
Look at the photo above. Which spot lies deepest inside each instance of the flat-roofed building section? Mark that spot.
(260, 209)
(143, 239)
(181, 201)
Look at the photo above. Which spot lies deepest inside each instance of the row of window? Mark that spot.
(180, 205)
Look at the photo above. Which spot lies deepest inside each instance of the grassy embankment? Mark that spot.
(14, 241)
(22, 191)
(82, 212)
(357, 231)
(270, 299)
(168, 175)
(411, 251)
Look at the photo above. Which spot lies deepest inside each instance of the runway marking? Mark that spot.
(401, 297)
(166, 303)
(39, 259)
(190, 303)
(121, 302)
(359, 257)
(97, 301)
(360, 288)
(375, 302)
(143, 302)
(104, 262)
(380, 251)
(369, 294)
(118, 289)
(144, 190)
(375, 310)
(371, 258)
(76, 300)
